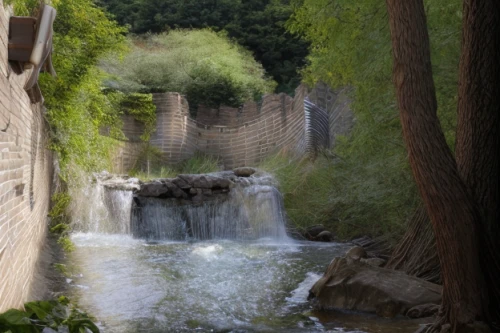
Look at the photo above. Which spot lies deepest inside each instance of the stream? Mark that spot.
(154, 285)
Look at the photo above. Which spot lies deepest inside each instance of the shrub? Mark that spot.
(201, 64)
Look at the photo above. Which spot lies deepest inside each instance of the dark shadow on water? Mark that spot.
(366, 322)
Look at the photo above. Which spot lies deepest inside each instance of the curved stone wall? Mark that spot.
(240, 136)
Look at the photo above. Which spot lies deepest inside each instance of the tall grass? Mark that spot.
(326, 192)
(199, 163)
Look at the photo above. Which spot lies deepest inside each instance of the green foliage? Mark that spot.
(199, 163)
(258, 25)
(142, 108)
(311, 196)
(24, 7)
(59, 316)
(205, 66)
(350, 46)
(66, 243)
(58, 212)
(76, 105)
(60, 219)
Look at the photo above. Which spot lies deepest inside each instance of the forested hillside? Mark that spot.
(258, 25)
(202, 65)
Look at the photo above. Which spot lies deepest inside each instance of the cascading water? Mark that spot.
(99, 209)
(249, 212)
(221, 265)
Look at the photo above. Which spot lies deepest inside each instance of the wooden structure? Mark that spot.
(30, 45)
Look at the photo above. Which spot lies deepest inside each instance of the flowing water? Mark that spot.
(182, 281)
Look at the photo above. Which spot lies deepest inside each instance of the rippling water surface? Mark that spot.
(132, 285)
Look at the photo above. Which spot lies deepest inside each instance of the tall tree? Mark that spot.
(478, 131)
(450, 201)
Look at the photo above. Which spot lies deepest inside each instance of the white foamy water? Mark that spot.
(134, 286)
(222, 266)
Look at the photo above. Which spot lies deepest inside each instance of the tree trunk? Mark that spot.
(416, 253)
(450, 207)
(478, 132)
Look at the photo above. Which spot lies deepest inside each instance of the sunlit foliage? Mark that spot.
(203, 65)
(257, 25)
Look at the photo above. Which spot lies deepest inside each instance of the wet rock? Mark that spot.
(196, 188)
(181, 183)
(117, 182)
(423, 310)
(354, 285)
(389, 309)
(176, 191)
(356, 253)
(324, 236)
(377, 262)
(153, 189)
(244, 171)
(312, 232)
(206, 181)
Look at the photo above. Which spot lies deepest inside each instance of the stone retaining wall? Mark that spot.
(240, 137)
(25, 179)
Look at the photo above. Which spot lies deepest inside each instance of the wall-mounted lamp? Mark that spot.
(30, 44)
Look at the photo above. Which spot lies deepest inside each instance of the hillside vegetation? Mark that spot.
(205, 66)
(257, 25)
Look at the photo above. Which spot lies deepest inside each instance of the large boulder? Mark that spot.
(355, 285)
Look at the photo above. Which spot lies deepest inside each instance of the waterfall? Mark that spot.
(252, 209)
(249, 212)
(96, 208)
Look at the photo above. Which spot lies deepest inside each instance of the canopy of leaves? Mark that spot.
(205, 66)
(258, 25)
(350, 46)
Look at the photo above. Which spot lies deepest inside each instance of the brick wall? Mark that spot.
(241, 137)
(25, 179)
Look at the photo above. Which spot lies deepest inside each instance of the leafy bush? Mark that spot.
(258, 25)
(201, 64)
(47, 316)
(142, 108)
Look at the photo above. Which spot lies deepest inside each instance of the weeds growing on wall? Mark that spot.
(141, 107)
(47, 316)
